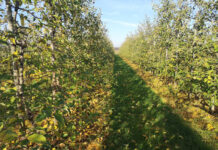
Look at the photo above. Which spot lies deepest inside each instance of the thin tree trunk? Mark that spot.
(53, 72)
(55, 79)
(193, 52)
(21, 84)
(17, 61)
(11, 29)
(213, 106)
(166, 59)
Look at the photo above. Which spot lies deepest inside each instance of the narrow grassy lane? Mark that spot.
(139, 119)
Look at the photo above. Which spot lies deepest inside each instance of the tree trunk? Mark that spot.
(55, 80)
(53, 84)
(11, 29)
(17, 61)
(213, 108)
(21, 84)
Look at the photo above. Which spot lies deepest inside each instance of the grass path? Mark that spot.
(140, 120)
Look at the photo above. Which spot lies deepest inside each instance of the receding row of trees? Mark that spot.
(55, 72)
(180, 45)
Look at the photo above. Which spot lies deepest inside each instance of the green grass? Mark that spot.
(140, 120)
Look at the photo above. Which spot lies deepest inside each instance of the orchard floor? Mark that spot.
(141, 121)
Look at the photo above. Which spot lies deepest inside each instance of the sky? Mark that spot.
(122, 17)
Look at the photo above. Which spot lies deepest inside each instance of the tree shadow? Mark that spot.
(140, 121)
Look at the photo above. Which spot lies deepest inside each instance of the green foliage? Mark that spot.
(60, 55)
(37, 138)
(180, 46)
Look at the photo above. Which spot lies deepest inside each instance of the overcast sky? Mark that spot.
(122, 17)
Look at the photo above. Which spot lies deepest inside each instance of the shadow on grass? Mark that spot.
(141, 121)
